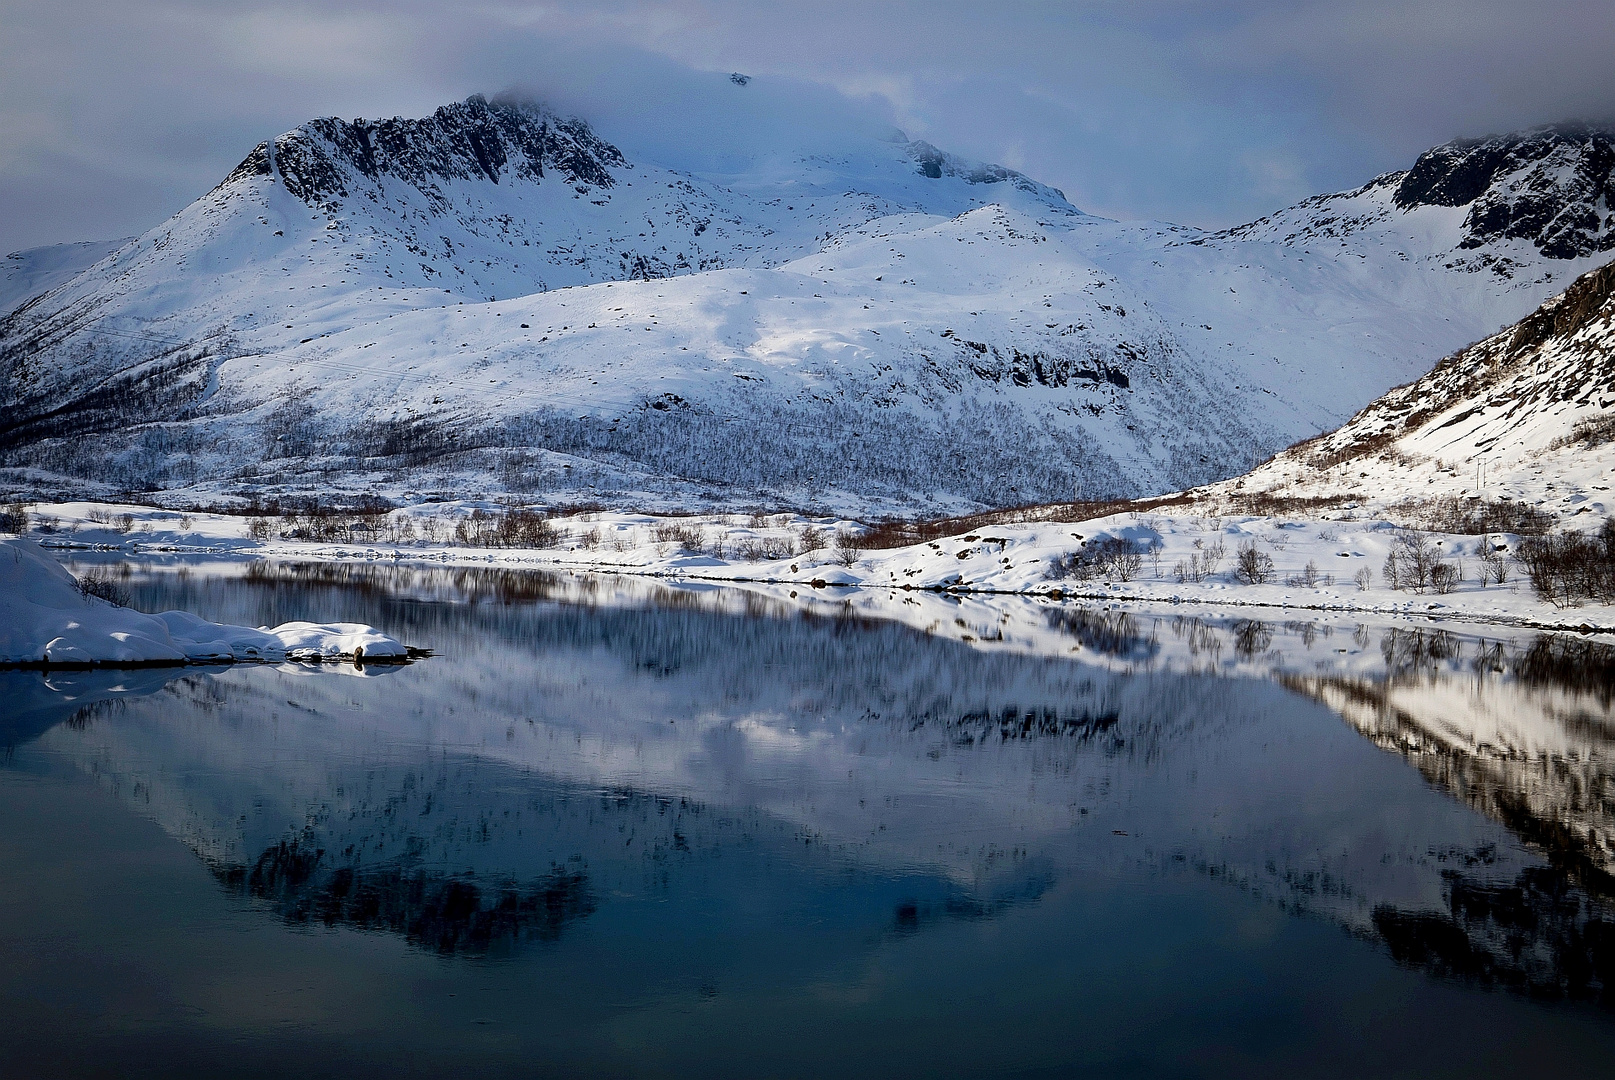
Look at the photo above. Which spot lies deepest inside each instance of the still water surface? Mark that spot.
(627, 828)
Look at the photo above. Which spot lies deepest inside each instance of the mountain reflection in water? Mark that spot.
(890, 761)
(445, 913)
(1523, 733)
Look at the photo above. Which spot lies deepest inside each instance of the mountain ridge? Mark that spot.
(1527, 414)
(983, 340)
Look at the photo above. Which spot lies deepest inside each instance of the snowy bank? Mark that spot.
(46, 620)
(1334, 560)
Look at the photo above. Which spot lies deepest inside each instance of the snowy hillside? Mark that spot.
(495, 300)
(26, 274)
(1527, 414)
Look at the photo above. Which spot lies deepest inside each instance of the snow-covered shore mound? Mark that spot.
(45, 619)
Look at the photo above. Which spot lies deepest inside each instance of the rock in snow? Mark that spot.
(44, 619)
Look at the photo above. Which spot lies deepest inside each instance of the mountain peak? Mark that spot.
(1551, 186)
(471, 140)
(935, 163)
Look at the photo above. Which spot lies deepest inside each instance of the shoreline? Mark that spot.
(1341, 563)
(536, 560)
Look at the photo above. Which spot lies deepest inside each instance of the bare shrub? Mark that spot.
(1114, 557)
(1444, 577)
(1591, 432)
(1493, 564)
(258, 528)
(1071, 564)
(1252, 566)
(849, 547)
(1571, 567)
(513, 528)
(99, 582)
(1200, 564)
(14, 518)
(687, 537)
(1306, 579)
(1409, 564)
(1364, 579)
(126, 523)
(591, 539)
(812, 540)
(1471, 517)
(1124, 557)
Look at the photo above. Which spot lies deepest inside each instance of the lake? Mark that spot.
(623, 827)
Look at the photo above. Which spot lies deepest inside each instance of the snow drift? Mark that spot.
(46, 620)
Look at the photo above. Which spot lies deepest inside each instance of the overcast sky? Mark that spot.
(115, 114)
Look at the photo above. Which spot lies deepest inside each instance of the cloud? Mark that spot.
(657, 109)
(1205, 111)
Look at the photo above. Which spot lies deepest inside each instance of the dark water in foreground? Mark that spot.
(628, 830)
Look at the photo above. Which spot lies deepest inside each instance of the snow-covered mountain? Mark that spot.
(495, 299)
(1528, 414)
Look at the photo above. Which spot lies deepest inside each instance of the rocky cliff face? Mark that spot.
(1553, 187)
(470, 140)
(1500, 204)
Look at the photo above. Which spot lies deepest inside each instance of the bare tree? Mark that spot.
(1252, 565)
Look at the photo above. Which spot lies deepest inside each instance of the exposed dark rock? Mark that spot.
(939, 163)
(1552, 186)
(472, 140)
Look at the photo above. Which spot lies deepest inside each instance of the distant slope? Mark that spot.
(1547, 190)
(886, 329)
(28, 273)
(1527, 414)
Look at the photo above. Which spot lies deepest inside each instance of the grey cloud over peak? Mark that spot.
(114, 115)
